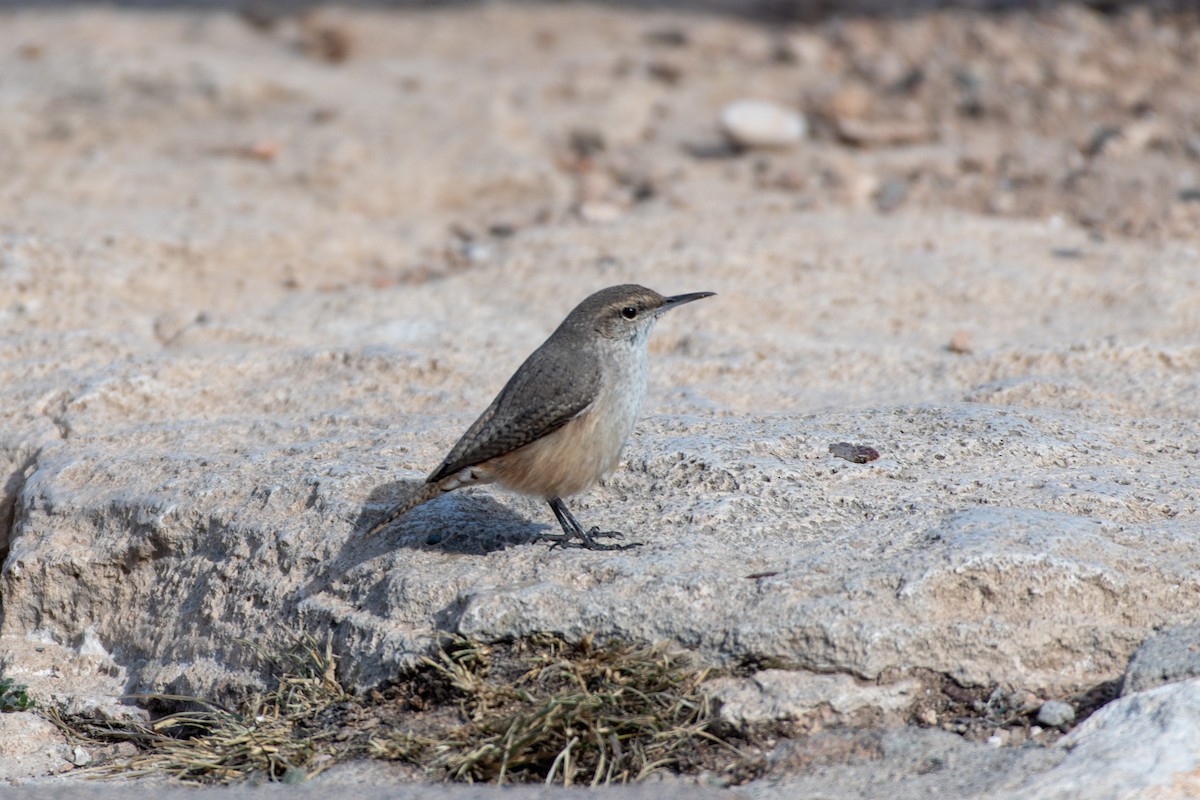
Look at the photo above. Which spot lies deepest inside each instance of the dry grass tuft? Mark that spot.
(535, 710)
(573, 714)
(211, 744)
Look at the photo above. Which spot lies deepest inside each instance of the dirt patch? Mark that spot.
(998, 715)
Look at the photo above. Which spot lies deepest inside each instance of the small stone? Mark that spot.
(1026, 701)
(1101, 139)
(852, 101)
(665, 71)
(476, 252)
(1067, 252)
(265, 150)
(80, 757)
(891, 194)
(884, 134)
(758, 123)
(294, 776)
(854, 453)
(960, 342)
(667, 37)
(325, 41)
(600, 212)
(861, 187)
(1055, 714)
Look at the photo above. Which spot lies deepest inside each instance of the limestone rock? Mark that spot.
(773, 695)
(247, 298)
(30, 746)
(901, 763)
(1167, 656)
(1144, 744)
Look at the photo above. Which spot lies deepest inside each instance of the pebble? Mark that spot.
(852, 101)
(961, 342)
(758, 123)
(600, 212)
(891, 194)
(476, 252)
(80, 757)
(884, 134)
(1055, 714)
(854, 453)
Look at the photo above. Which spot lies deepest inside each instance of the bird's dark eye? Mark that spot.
(629, 312)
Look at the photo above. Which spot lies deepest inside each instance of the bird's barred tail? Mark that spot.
(424, 494)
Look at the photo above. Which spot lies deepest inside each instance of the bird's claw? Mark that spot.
(596, 532)
(587, 541)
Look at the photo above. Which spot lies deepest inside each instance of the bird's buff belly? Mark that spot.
(565, 462)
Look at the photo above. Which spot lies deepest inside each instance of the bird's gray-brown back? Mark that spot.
(556, 383)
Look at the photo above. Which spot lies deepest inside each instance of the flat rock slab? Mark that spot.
(991, 543)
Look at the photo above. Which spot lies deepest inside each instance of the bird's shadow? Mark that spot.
(462, 523)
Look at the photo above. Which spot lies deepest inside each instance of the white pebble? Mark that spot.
(1055, 714)
(757, 123)
(600, 212)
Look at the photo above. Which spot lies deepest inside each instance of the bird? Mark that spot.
(563, 418)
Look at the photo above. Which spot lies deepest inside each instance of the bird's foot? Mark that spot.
(586, 540)
(575, 535)
(554, 539)
(589, 542)
(596, 533)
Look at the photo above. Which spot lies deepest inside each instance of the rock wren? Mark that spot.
(561, 421)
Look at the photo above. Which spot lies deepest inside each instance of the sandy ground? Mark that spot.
(256, 275)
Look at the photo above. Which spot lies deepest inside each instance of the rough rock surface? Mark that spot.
(1143, 745)
(901, 763)
(1168, 656)
(776, 695)
(253, 285)
(30, 747)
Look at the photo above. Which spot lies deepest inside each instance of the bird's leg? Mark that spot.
(572, 530)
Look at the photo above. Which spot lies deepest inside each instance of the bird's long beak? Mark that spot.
(680, 299)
